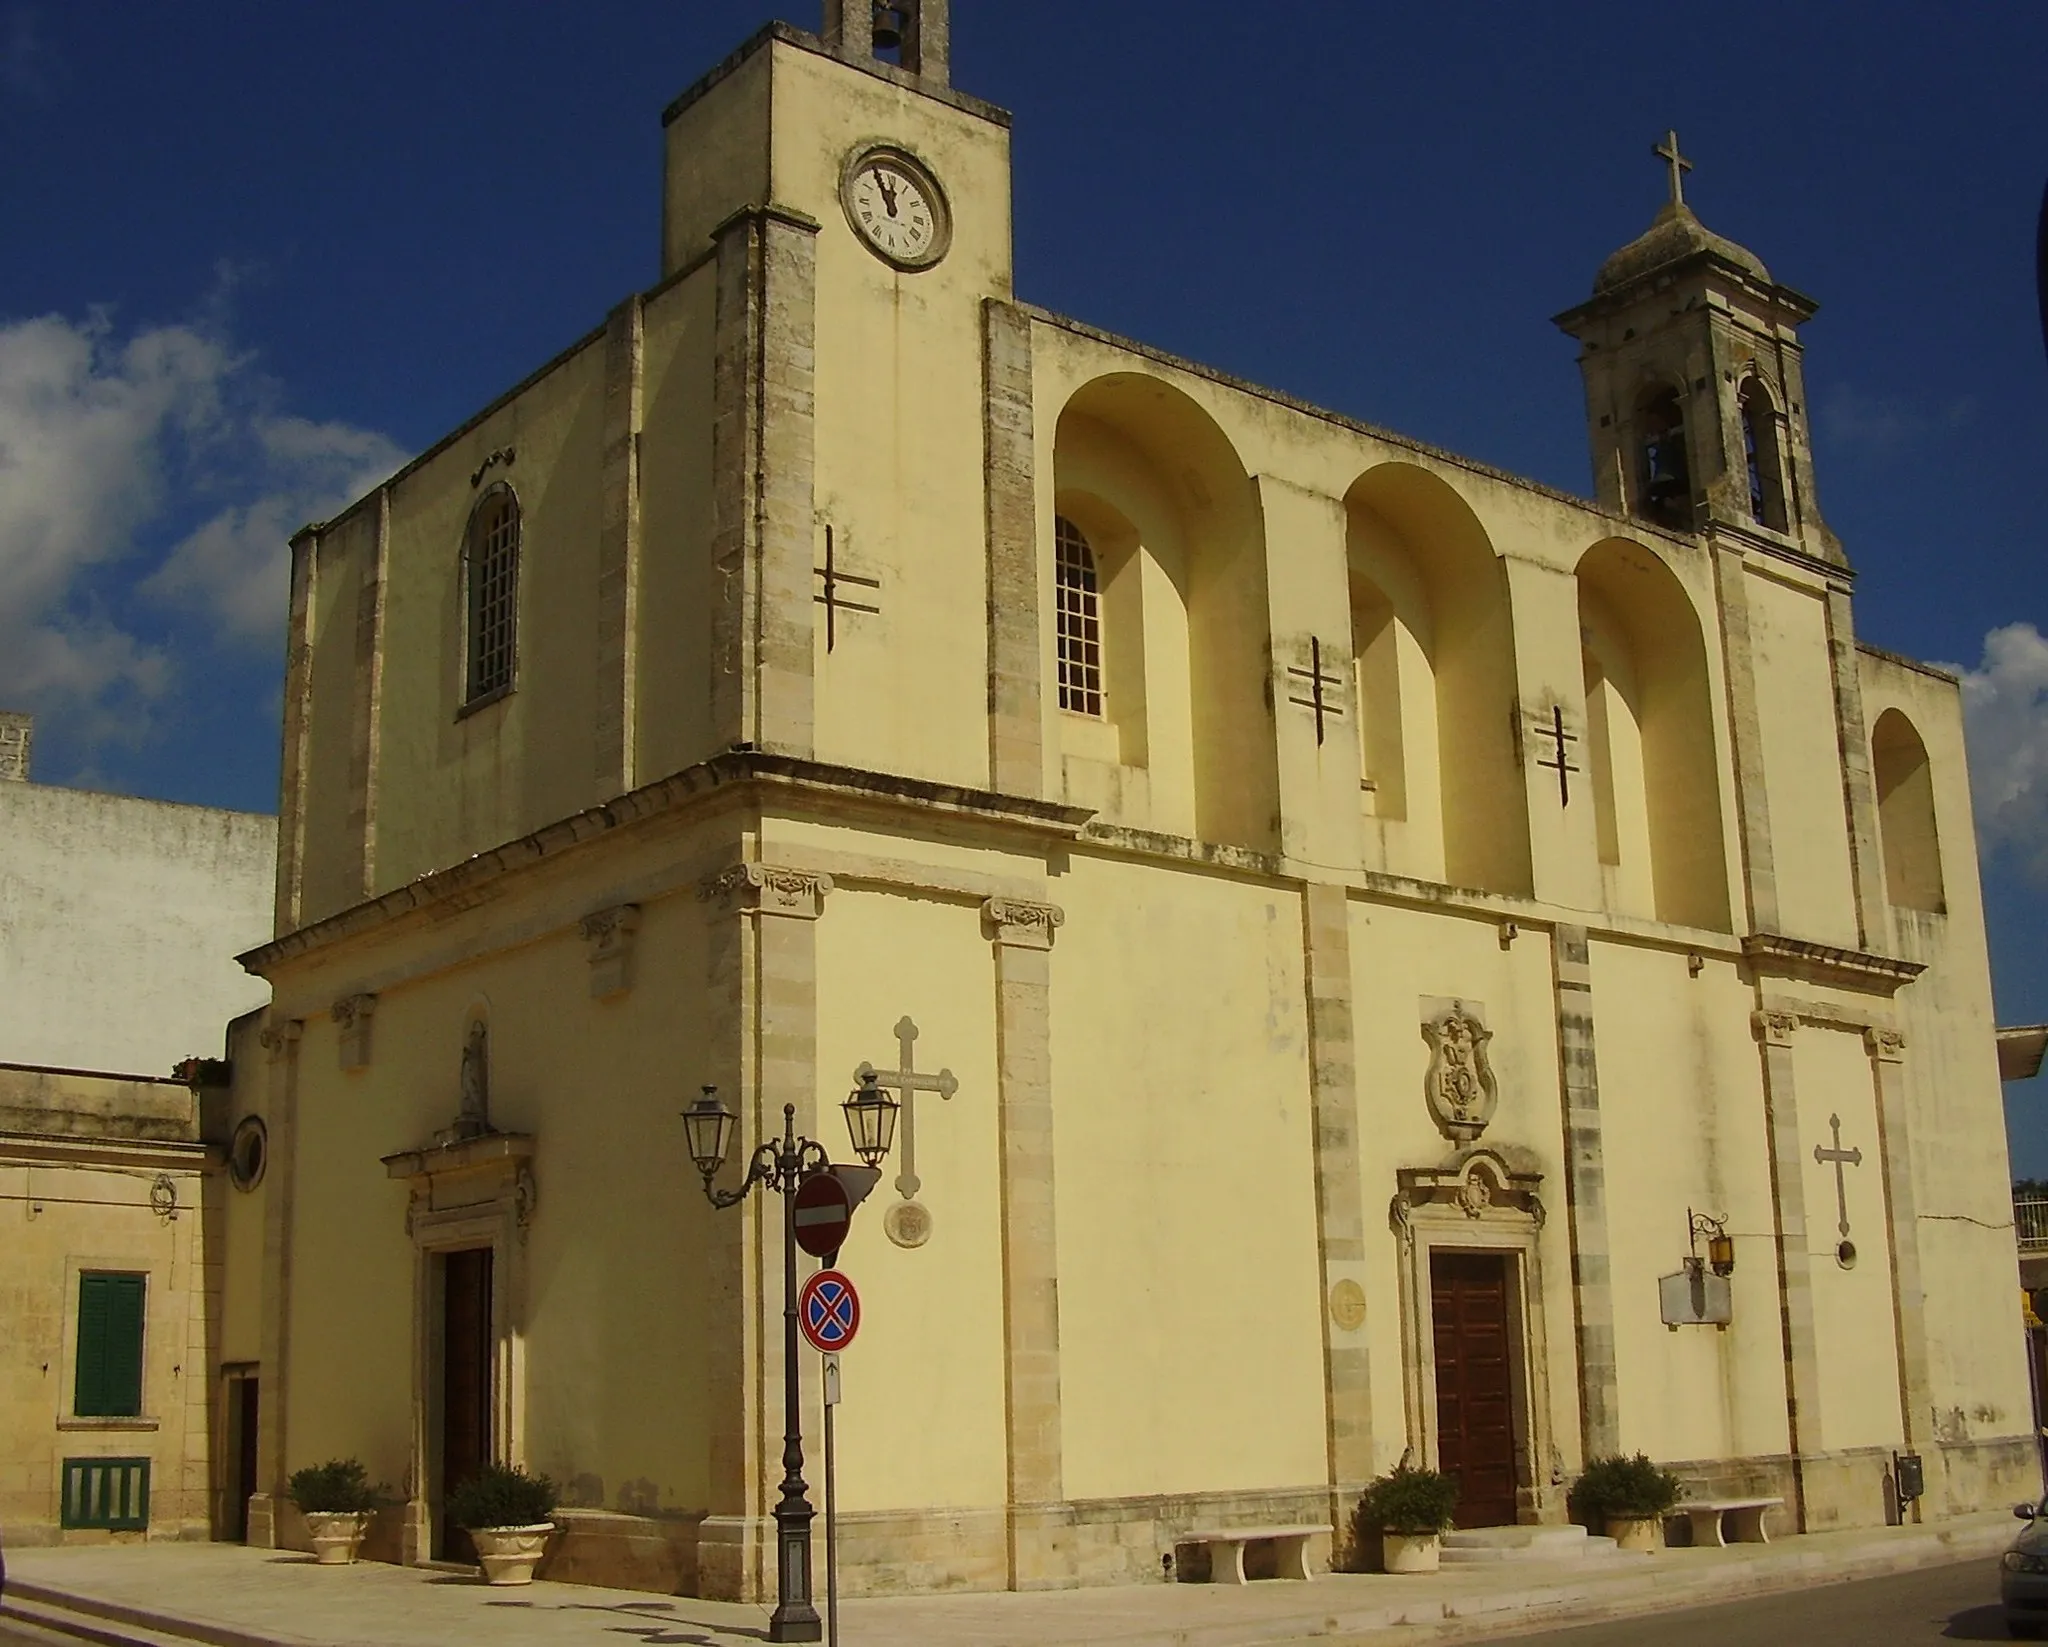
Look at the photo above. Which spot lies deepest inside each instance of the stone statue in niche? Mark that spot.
(1459, 1088)
(473, 1117)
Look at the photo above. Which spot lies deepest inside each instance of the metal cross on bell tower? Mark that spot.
(1667, 151)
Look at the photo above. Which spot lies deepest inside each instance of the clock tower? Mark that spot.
(1695, 388)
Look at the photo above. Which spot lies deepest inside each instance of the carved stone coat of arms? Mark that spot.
(1459, 1088)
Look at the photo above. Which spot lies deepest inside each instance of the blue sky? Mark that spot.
(256, 254)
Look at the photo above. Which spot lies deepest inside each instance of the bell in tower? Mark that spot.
(1695, 389)
(912, 35)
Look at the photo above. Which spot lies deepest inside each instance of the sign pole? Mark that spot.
(831, 1510)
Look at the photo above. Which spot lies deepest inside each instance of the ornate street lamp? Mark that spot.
(1720, 1244)
(780, 1167)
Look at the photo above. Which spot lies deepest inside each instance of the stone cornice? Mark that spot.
(1772, 955)
(487, 1149)
(137, 1154)
(760, 778)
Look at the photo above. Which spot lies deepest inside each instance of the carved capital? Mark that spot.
(767, 889)
(610, 934)
(1887, 1046)
(280, 1038)
(1026, 925)
(1774, 1029)
(352, 1015)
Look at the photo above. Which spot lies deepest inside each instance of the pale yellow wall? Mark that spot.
(922, 1420)
(1852, 1308)
(613, 1257)
(1955, 1105)
(1190, 1350)
(1400, 955)
(672, 699)
(330, 865)
(1802, 761)
(55, 1221)
(715, 160)
(1683, 1130)
(899, 421)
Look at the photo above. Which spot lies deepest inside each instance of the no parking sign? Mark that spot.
(828, 1311)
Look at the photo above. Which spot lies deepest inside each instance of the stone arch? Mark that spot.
(1179, 542)
(1435, 642)
(1650, 730)
(1905, 814)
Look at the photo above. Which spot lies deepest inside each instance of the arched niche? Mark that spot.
(1435, 644)
(1762, 457)
(1905, 814)
(1650, 725)
(1174, 524)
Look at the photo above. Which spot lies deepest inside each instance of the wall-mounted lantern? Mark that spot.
(1720, 1244)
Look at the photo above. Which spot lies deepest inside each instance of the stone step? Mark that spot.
(42, 1616)
(1571, 1542)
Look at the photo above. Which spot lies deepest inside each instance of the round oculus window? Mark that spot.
(248, 1152)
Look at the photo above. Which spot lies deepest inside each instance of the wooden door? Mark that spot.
(465, 1385)
(1475, 1401)
(242, 1423)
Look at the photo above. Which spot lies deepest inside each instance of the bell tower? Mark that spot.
(1695, 387)
(912, 35)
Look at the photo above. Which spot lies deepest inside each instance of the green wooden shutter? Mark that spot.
(109, 1382)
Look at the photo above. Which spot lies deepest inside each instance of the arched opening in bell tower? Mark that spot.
(1664, 475)
(1765, 465)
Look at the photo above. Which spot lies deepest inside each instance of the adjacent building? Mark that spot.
(1351, 929)
(119, 919)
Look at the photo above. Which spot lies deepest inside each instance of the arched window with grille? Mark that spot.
(1078, 598)
(491, 595)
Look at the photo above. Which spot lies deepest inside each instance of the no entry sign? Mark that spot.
(828, 1311)
(823, 1212)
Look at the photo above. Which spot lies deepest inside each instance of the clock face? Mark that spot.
(895, 205)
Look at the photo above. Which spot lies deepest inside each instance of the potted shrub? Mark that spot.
(1629, 1497)
(336, 1499)
(1410, 1510)
(506, 1513)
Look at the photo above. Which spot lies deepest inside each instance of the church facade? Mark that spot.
(1427, 965)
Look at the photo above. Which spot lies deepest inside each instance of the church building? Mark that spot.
(1378, 958)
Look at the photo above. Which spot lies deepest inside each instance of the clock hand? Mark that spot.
(888, 191)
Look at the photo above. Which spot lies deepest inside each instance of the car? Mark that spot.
(2023, 1573)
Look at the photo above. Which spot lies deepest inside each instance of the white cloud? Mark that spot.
(104, 443)
(1882, 425)
(2005, 708)
(236, 567)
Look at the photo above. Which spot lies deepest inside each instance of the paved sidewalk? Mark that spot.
(236, 1597)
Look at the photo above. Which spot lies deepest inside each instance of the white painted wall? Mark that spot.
(120, 920)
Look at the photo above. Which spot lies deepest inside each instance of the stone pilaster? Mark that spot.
(763, 965)
(1859, 784)
(1745, 735)
(1016, 706)
(1774, 1033)
(1023, 936)
(1340, 1210)
(1909, 1313)
(1585, 1170)
(366, 700)
(762, 445)
(280, 1039)
(618, 552)
(353, 1016)
(298, 688)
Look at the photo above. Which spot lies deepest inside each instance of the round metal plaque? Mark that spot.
(908, 1224)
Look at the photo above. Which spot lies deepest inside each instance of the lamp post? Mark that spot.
(780, 1166)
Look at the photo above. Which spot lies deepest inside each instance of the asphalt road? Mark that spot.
(1957, 1602)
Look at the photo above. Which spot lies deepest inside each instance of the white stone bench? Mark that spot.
(1226, 1549)
(1705, 1515)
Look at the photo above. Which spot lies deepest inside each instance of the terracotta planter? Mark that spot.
(510, 1554)
(337, 1535)
(1637, 1532)
(1410, 1552)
